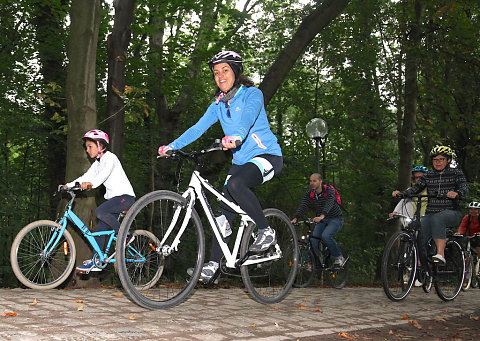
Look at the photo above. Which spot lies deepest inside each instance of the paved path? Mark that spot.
(214, 314)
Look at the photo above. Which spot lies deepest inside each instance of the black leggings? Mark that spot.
(241, 180)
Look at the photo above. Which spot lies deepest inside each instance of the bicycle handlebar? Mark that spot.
(420, 196)
(180, 154)
(62, 189)
(307, 221)
(469, 237)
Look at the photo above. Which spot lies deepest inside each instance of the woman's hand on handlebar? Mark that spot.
(452, 195)
(294, 221)
(163, 150)
(231, 142)
(395, 193)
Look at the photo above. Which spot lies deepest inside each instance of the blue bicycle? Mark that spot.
(43, 252)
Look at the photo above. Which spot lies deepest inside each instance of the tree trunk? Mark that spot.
(306, 32)
(117, 44)
(412, 59)
(49, 35)
(81, 105)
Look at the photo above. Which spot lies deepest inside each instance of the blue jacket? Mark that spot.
(248, 119)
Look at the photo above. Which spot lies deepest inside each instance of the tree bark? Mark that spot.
(117, 44)
(50, 37)
(407, 128)
(307, 31)
(81, 105)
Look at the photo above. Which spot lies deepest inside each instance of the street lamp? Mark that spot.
(317, 129)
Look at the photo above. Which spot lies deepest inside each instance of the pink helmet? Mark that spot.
(97, 135)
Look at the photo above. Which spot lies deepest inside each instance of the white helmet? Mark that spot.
(474, 204)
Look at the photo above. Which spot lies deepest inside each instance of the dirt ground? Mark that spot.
(461, 328)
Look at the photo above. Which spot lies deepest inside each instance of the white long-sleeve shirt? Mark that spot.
(107, 171)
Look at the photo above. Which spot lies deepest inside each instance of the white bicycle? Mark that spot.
(172, 218)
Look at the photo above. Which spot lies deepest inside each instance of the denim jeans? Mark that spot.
(435, 224)
(326, 230)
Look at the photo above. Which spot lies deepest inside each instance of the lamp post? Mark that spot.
(317, 129)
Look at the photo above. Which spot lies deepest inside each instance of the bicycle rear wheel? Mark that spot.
(162, 280)
(448, 278)
(337, 275)
(32, 266)
(270, 281)
(305, 268)
(399, 266)
(144, 263)
(467, 281)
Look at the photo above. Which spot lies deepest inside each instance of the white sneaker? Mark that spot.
(207, 273)
(224, 225)
(265, 238)
(418, 283)
(439, 259)
(339, 261)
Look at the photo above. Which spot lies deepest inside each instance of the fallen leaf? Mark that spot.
(274, 307)
(276, 325)
(474, 317)
(415, 324)
(80, 308)
(104, 291)
(132, 317)
(439, 319)
(302, 307)
(34, 302)
(118, 294)
(305, 299)
(345, 335)
(78, 301)
(7, 313)
(253, 325)
(390, 332)
(319, 309)
(405, 316)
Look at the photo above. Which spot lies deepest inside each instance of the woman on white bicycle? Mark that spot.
(257, 156)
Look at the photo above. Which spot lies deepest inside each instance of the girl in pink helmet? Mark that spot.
(108, 171)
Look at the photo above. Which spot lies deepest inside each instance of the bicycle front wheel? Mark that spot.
(270, 281)
(337, 275)
(399, 266)
(152, 270)
(36, 265)
(448, 278)
(427, 284)
(305, 268)
(468, 273)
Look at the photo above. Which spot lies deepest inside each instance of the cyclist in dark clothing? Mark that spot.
(442, 212)
(328, 215)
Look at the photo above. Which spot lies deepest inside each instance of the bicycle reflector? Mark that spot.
(65, 248)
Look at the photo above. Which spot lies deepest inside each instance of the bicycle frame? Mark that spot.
(69, 215)
(194, 191)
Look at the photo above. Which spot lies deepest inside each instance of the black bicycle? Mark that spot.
(472, 277)
(311, 262)
(406, 258)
